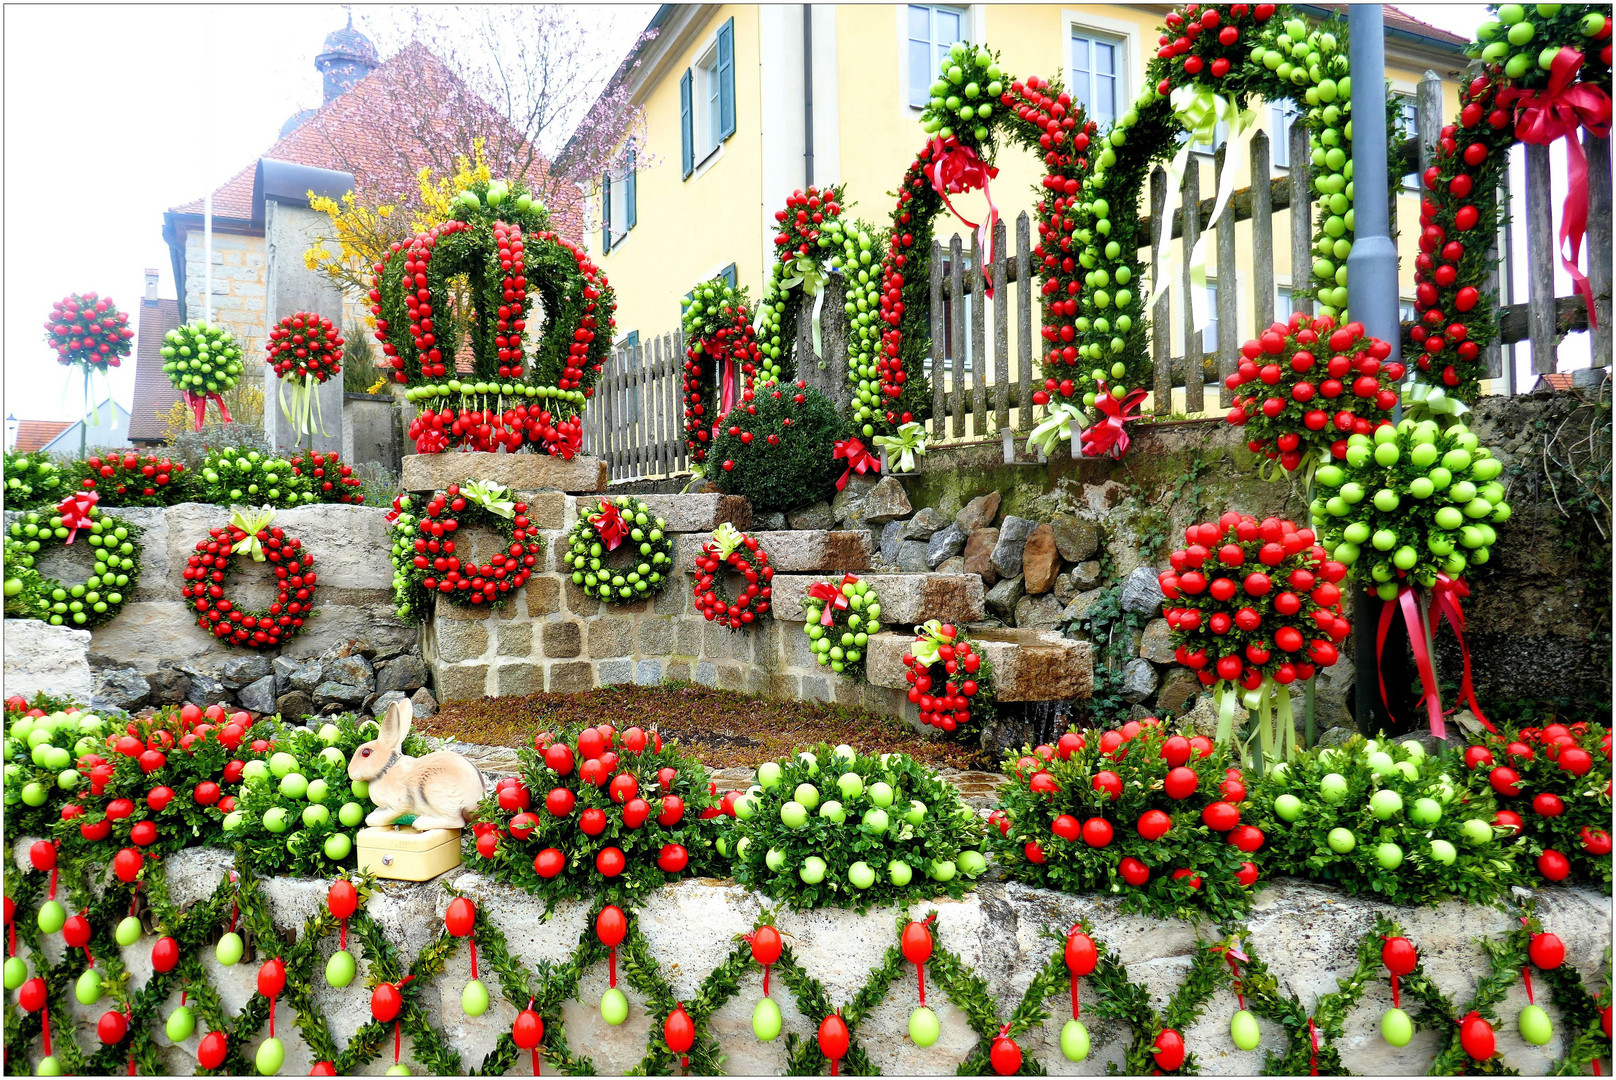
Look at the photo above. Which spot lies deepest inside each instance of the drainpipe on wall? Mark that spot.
(808, 94)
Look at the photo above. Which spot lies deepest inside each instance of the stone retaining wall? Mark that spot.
(1306, 934)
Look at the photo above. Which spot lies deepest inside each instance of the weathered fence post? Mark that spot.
(1372, 282)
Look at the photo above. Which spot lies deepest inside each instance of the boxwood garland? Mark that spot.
(505, 248)
(207, 571)
(943, 656)
(115, 546)
(731, 549)
(1455, 315)
(601, 530)
(424, 560)
(33, 479)
(1036, 114)
(720, 344)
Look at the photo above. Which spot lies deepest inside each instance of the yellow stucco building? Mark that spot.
(745, 103)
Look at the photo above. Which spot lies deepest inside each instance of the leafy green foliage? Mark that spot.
(818, 824)
(1560, 811)
(232, 476)
(545, 817)
(34, 479)
(840, 645)
(776, 448)
(717, 323)
(1423, 851)
(1048, 785)
(38, 765)
(115, 549)
(125, 478)
(603, 571)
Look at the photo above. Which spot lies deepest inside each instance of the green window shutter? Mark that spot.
(726, 79)
(629, 182)
(605, 212)
(728, 274)
(631, 339)
(687, 134)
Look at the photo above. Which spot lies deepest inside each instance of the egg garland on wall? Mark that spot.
(525, 388)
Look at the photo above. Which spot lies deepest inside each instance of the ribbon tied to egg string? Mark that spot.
(1417, 620)
(1200, 112)
(1109, 436)
(904, 447)
(1057, 426)
(251, 522)
(954, 169)
(198, 404)
(1558, 111)
(929, 640)
(491, 497)
(858, 457)
(609, 524)
(727, 538)
(1426, 400)
(805, 271)
(831, 595)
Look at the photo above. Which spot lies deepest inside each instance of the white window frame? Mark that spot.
(705, 89)
(975, 30)
(1408, 104)
(1212, 320)
(619, 200)
(1125, 35)
(964, 13)
(1284, 295)
(1280, 141)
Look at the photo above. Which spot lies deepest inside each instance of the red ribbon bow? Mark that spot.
(955, 169)
(1446, 594)
(432, 441)
(832, 595)
(569, 441)
(75, 511)
(858, 458)
(1109, 436)
(609, 523)
(1559, 110)
(199, 406)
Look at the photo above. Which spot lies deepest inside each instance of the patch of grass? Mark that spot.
(724, 728)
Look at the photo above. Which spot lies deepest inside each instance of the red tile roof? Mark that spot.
(1554, 381)
(34, 434)
(1397, 19)
(350, 133)
(154, 394)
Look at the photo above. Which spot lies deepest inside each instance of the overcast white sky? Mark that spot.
(109, 119)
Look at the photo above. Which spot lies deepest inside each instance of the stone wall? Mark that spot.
(240, 280)
(153, 652)
(1306, 934)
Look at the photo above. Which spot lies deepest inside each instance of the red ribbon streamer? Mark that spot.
(609, 523)
(342, 935)
(397, 1042)
(1396, 1003)
(832, 596)
(1446, 595)
(1430, 695)
(271, 1018)
(858, 458)
(473, 943)
(129, 1019)
(1109, 436)
(75, 511)
(1560, 110)
(568, 445)
(1076, 1008)
(1239, 990)
(1313, 1054)
(765, 980)
(1526, 974)
(955, 169)
(44, 1036)
(199, 406)
(726, 392)
(611, 967)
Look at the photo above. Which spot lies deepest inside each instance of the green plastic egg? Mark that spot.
(1074, 1040)
(924, 1027)
(766, 1021)
(48, 1066)
(230, 949)
(51, 916)
(270, 1057)
(16, 972)
(474, 998)
(340, 969)
(1244, 1031)
(1396, 1028)
(88, 987)
(1535, 1026)
(614, 1007)
(128, 931)
(181, 1024)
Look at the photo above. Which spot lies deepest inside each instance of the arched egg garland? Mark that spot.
(499, 244)
(975, 106)
(1545, 74)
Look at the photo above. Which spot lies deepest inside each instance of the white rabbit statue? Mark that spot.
(441, 789)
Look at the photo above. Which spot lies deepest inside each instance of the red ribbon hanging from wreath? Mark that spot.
(75, 511)
(955, 169)
(858, 457)
(1559, 111)
(1109, 436)
(832, 596)
(1313, 1052)
(199, 406)
(1415, 620)
(609, 523)
(1446, 595)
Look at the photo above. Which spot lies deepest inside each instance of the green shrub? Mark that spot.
(786, 464)
(1404, 820)
(831, 828)
(231, 476)
(34, 479)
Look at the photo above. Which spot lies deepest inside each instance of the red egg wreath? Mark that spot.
(734, 550)
(1310, 385)
(128, 479)
(305, 346)
(435, 568)
(90, 330)
(1254, 605)
(721, 360)
(943, 659)
(250, 532)
(329, 478)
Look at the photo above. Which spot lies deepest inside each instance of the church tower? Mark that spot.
(347, 58)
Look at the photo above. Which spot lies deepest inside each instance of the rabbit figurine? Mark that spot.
(441, 789)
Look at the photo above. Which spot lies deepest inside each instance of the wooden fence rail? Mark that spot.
(980, 385)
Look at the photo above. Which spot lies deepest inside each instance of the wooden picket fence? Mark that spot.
(636, 420)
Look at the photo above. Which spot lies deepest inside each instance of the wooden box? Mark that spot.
(405, 854)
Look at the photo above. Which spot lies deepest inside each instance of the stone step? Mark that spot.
(1028, 665)
(793, 551)
(520, 472)
(905, 598)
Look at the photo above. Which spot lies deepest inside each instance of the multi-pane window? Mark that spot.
(1409, 113)
(1282, 115)
(1209, 333)
(1283, 307)
(1098, 73)
(933, 28)
(708, 88)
